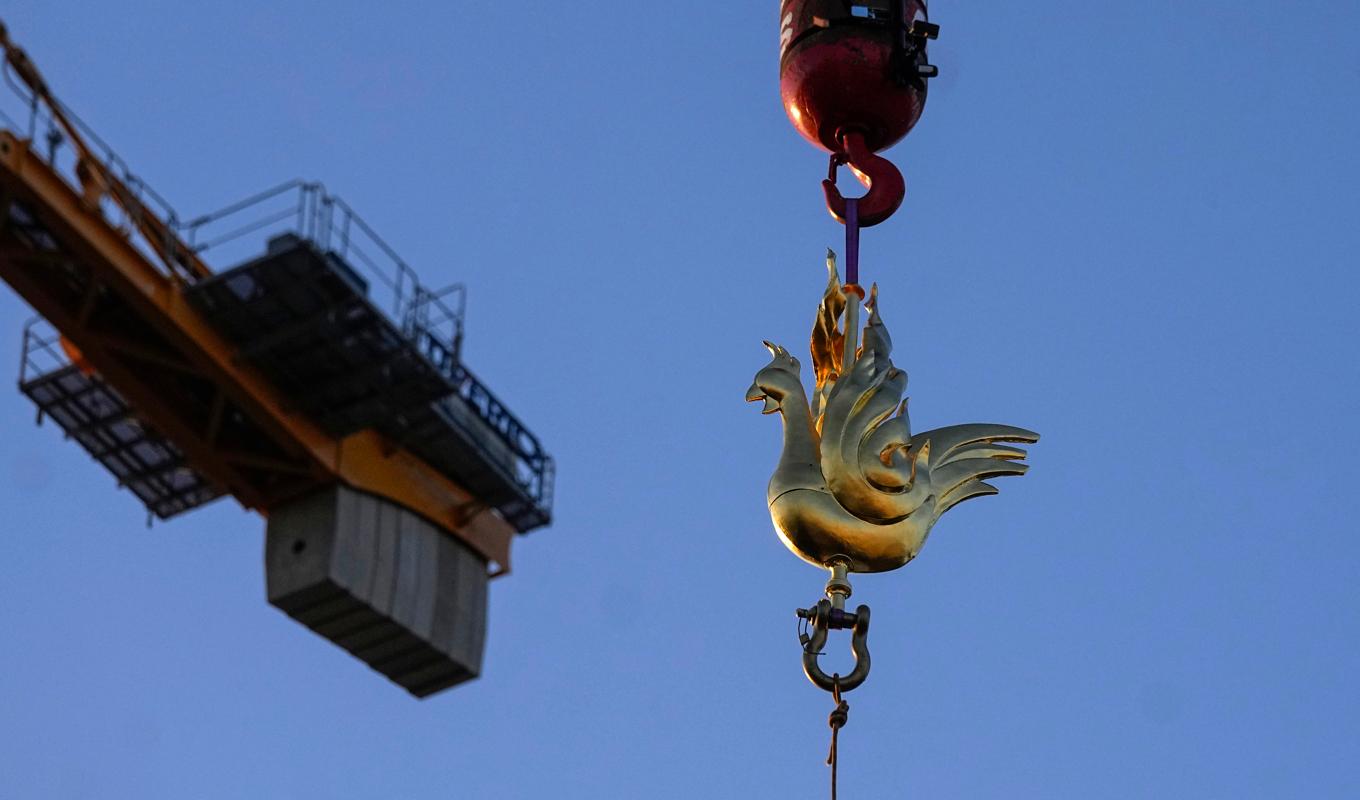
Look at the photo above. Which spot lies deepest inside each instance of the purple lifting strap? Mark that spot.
(852, 240)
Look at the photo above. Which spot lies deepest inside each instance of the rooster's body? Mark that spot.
(853, 483)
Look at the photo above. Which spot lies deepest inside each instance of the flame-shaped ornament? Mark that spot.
(853, 485)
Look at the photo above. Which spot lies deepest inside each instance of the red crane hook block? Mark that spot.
(883, 180)
(854, 64)
(852, 75)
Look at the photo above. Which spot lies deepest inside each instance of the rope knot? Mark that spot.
(839, 716)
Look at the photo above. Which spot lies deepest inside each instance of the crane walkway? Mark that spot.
(93, 414)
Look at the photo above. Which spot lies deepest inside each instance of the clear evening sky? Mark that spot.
(1129, 226)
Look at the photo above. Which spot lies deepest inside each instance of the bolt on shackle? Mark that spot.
(829, 614)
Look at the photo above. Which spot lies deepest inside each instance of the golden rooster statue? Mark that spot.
(853, 485)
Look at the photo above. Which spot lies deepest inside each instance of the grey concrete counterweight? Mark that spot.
(381, 582)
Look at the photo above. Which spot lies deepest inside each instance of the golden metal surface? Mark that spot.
(852, 482)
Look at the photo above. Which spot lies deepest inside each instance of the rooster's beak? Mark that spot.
(756, 393)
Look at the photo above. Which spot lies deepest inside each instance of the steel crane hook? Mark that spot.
(878, 174)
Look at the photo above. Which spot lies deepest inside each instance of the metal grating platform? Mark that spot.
(303, 319)
(93, 414)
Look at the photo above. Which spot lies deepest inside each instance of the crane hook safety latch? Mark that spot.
(886, 187)
(822, 618)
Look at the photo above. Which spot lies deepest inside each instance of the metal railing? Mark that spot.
(534, 469)
(42, 351)
(30, 118)
(305, 209)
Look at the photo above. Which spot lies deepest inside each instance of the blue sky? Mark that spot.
(1131, 227)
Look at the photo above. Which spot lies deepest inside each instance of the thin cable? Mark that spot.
(837, 720)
